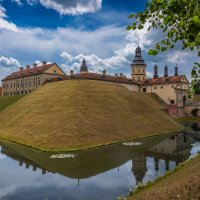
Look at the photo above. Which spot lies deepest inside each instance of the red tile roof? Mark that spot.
(29, 72)
(164, 80)
(100, 77)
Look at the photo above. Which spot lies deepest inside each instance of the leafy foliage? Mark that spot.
(178, 19)
(196, 79)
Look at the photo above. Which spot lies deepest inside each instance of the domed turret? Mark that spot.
(83, 68)
(138, 66)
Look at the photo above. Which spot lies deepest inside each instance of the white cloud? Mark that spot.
(4, 23)
(75, 7)
(178, 57)
(9, 62)
(17, 2)
(2, 11)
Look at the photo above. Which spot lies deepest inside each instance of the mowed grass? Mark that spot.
(77, 114)
(5, 101)
(182, 183)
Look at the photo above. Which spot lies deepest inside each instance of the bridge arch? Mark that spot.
(195, 112)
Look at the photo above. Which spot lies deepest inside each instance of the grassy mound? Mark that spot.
(77, 114)
(5, 101)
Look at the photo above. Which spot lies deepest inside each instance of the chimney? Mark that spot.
(28, 66)
(155, 71)
(21, 68)
(71, 72)
(34, 64)
(176, 71)
(166, 71)
(104, 72)
(44, 62)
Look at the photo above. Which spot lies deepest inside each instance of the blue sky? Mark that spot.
(63, 30)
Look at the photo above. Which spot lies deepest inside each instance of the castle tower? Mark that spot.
(83, 68)
(138, 66)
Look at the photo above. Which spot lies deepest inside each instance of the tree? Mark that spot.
(180, 21)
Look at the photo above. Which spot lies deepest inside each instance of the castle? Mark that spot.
(172, 90)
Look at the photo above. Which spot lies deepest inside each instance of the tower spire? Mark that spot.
(83, 68)
(138, 66)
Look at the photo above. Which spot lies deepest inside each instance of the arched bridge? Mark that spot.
(192, 109)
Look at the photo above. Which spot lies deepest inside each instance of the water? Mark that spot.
(97, 174)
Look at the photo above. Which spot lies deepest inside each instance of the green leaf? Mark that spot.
(131, 16)
(140, 26)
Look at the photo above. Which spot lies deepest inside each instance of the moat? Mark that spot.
(101, 173)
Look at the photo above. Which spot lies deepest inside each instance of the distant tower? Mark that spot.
(138, 66)
(176, 70)
(83, 68)
(155, 71)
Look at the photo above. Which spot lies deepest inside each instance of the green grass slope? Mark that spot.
(5, 101)
(76, 114)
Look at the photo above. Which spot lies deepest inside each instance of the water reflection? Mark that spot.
(101, 173)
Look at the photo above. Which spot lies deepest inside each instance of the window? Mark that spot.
(22, 92)
(161, 87)
(172, 86)
(22, 83)
(54, 71)
(11, 93)
(18, 92)
(144, 89)
(155, 88)
(172, 101)
(30, 91)
(17, 83)
(38, 80)
(25, 83)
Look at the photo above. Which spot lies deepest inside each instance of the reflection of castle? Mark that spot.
(175, 148)
(139, 167)
(28, 163)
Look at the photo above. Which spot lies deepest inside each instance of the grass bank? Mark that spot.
(6, 101)
(181, 183)
(187, 119)
(78, 114)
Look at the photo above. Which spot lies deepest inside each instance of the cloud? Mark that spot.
(4, 23)
(70, 7)
(8, 62)
(17, 2)
(2, 11)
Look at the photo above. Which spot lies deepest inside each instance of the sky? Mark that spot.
(62, 31)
